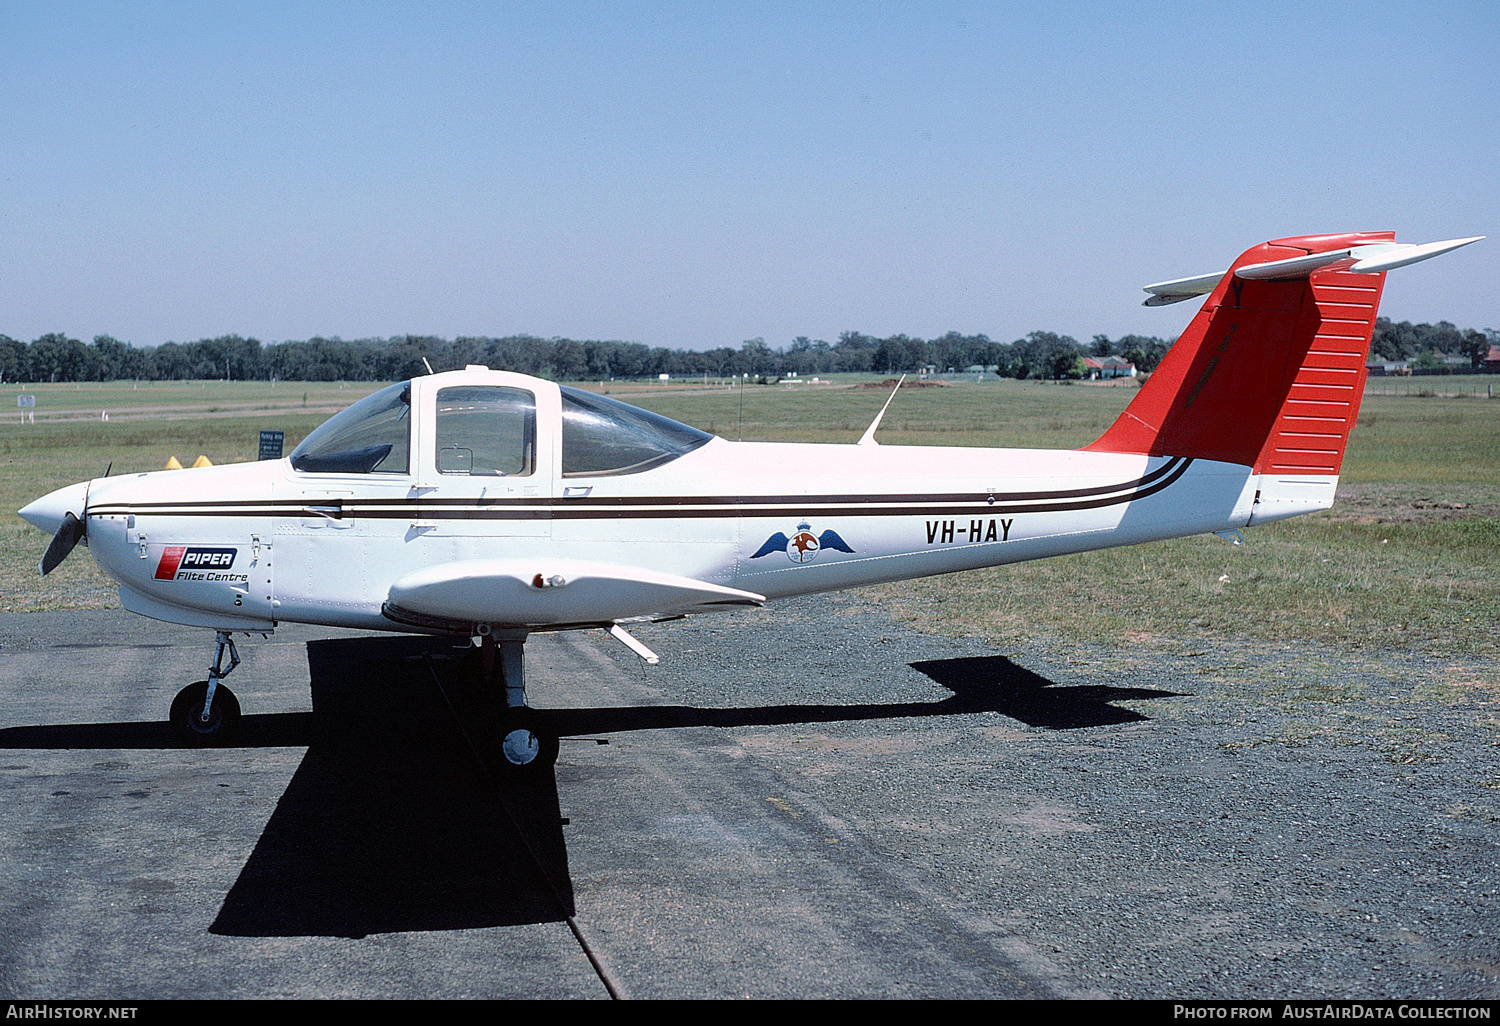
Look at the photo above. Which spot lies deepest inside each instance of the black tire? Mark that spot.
(522, 745)
(188, 725)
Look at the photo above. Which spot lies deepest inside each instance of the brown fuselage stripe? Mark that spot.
(675, 508)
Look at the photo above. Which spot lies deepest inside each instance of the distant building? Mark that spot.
(1388, 368)
(1492, 360)
(1098, 367)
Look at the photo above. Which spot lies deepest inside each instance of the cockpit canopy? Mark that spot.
(371, 437)
(490, 430)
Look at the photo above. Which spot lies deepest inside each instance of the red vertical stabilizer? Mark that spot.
(1270, 373)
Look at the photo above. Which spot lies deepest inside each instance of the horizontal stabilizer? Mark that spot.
(541, 592)
(1179, 289)
(1374, 259)
(1361, 259)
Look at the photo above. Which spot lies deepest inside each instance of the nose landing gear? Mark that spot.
(206, 713)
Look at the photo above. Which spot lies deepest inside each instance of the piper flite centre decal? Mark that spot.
(196, 563)
(803, 546)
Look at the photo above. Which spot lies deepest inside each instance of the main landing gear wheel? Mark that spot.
(522, 745)
(187, 719)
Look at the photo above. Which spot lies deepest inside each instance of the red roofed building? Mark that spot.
(1108, 367)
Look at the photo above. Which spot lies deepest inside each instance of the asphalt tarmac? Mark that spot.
(810, 800)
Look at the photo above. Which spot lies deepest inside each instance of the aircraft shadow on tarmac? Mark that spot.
(979, 684)
(386, 826)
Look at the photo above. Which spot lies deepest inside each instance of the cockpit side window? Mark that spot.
(602, 436)
(486, 431)
(371, 437)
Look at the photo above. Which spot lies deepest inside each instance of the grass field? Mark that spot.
(166, 399)
(1406, 560)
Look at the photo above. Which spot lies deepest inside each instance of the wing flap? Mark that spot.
(543, 592)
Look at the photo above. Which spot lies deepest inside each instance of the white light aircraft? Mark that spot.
(492, 505)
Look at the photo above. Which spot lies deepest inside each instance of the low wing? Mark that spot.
(541, 592)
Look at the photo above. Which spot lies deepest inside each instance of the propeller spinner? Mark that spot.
(54, 512)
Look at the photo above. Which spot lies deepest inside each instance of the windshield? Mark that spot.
(371, 437)
(605, 436)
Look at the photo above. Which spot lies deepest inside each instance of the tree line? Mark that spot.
(1421, 343)
(1041, 354)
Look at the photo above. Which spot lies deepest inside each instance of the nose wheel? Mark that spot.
(189, 724)
(206, 713)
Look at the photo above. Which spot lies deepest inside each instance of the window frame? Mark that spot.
(531, 439)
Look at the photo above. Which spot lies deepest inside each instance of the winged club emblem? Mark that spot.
(803, 546)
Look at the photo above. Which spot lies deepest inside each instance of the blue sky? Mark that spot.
(698, 174)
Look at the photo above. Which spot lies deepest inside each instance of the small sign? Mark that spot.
(25, 401)
(270, 445)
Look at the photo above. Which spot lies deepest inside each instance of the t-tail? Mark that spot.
(1271, 371)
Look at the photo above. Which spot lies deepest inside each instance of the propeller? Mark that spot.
(72, 531)
(68, 535)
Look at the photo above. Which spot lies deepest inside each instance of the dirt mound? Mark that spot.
(890, 383)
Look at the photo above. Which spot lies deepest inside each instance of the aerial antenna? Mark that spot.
(868, 438)
(427, 365)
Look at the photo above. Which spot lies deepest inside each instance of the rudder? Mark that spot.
(1271, 371)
